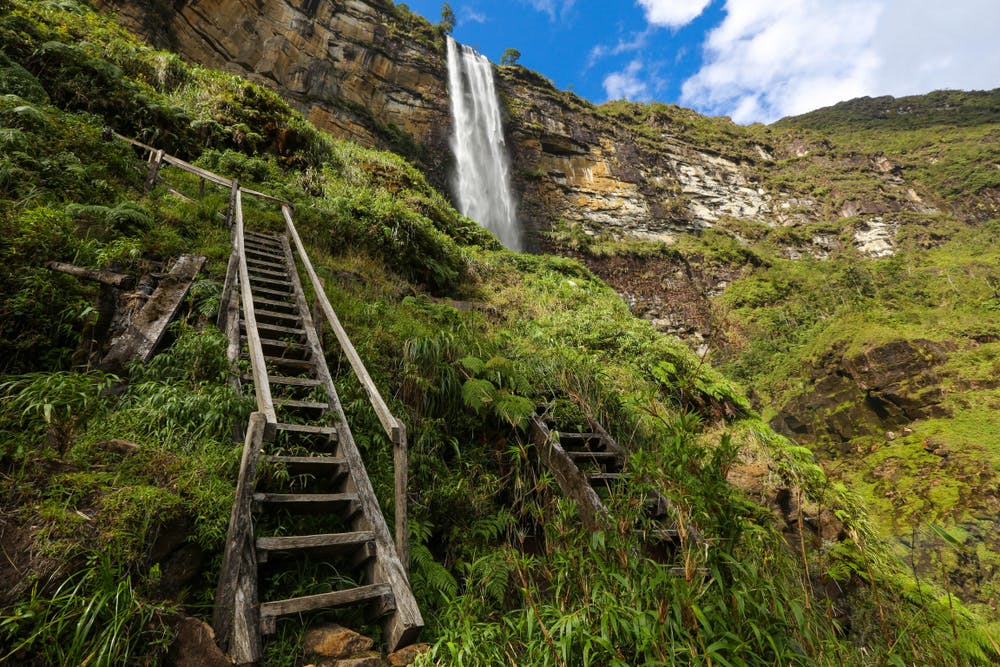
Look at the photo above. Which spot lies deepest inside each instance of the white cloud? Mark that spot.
(634, 42)
(783, 57)
(626, 84)
(673, 13)
(766, 60)
(470, 15)
(927, 45)
(554, 8)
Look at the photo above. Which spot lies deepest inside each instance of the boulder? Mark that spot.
(334, 641)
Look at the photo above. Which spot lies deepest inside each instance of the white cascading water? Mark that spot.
(482, 174)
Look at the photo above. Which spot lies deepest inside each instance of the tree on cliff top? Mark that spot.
(510, 57)
(447, 19)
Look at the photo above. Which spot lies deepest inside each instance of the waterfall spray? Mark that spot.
(482, 174)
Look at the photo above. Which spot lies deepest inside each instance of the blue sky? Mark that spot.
(753, 60)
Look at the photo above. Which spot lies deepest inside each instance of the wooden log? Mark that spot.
(139, 341)
(235, 616)
(103, 276)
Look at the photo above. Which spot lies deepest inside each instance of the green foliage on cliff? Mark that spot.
(464, 337)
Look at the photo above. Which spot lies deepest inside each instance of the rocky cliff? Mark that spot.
(361, 69)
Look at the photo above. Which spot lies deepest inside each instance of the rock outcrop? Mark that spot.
(879, 389)
(372, 72)
(362, 69)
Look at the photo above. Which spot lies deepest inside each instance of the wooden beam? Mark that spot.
(103, 276)
(258, 365)
(235, 616)
(155, 161)
(145, 332)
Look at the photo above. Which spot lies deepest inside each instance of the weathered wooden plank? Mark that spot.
(310, 429)
(292, 381)
(229, 309)
(103, 276)
(140, 339)
(155, 161)
(258, 364)
(302, 405)
(235, 614)
(369, 593)
(306, 502)
(331, 543)
(310, 464)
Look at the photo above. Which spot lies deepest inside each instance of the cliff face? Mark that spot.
(368, 71)
(359, 69)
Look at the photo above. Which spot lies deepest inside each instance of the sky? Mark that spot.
(751, 60)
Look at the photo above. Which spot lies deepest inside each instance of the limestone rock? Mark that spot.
(194, 646)
(334, 641)
(407, 654)
(869, 393)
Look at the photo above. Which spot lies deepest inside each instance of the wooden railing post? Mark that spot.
(235, 616)
(401, 474)
(155, 160)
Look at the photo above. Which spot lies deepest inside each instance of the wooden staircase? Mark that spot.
(588, 466)
(303, 495)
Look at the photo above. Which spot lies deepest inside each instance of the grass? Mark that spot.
(463, 337)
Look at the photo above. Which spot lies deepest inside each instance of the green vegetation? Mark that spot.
(465, 339)
(510, 57)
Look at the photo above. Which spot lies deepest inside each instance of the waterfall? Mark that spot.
(482, 176)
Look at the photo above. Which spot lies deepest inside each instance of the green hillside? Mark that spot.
(115, 490)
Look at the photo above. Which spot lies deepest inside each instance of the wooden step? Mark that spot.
(581, 441)
(302, 465)
(603, 478)
(285, 362)
(306, 502)
(296, 404)
(289, 381)
(254, 270)
(273, 314)
(271, 304)
(308, 429)
(269, 283)
(270, 293)
(279, 349)
(381, 594)
(330, 544)
(253, 262)
(586, 455)
(275, 328)
(265, 254)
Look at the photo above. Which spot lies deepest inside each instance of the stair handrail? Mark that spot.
(198, 171)
(393, 427)
(261, 386)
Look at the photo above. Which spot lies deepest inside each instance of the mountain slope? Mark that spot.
(120, 491)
